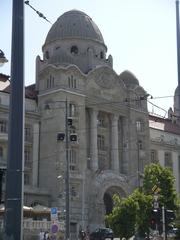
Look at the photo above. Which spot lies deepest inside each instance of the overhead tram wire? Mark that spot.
(39, 13)
(115, 102)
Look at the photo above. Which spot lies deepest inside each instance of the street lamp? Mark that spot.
(3, 59)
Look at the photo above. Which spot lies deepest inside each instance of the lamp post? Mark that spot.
(67, 175)
(14, 174)
(178, 50)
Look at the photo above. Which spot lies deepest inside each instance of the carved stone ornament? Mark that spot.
(105, 80)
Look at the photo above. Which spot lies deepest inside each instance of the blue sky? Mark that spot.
(139, 34)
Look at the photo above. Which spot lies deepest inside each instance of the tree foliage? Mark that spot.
(132, 214)
(143, 212)
(163, 178)
(123, 217)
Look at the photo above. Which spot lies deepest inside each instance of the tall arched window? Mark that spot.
(72, 160)
(168, 160)
(139, 125)
(3, 126)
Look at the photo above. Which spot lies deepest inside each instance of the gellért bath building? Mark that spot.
(107, 129)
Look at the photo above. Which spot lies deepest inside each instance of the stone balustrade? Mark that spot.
(33, 225)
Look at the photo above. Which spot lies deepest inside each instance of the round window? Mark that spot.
(74, 50)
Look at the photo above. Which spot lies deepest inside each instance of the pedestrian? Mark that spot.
(87, 232)
(46, 236)
(83, 235)
(80, 231)
(41, 235)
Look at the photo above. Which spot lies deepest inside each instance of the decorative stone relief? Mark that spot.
(107, 179)
(105, 80)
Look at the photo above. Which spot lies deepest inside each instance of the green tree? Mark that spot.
(155, 174)
(123, 217)
(133, 214)
(143, 211)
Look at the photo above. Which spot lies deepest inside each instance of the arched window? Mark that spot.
(72, 160)
(139, 125)
(72, 110)
(101, 142)
(71, 82)
(154, 156)
(50, 82)
(168, 160)
(27, 178)
(27, 132)
(3, 126)
(47, 55)
(101, 54)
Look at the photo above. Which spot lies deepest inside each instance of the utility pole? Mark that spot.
(15, 166)
(138, 162)
(163, 222)
(72, 138)
(67, 175)
(178, 50)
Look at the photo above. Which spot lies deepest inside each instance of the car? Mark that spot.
(172, 232)
(102, 234)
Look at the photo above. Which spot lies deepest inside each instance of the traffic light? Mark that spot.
(60, 136)
(73, 137)
(155, 221)
(169, 218)
(70, 121)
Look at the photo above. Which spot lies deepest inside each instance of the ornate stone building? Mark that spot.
(107, 114)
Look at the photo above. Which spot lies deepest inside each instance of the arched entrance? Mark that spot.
(108, 202)
(108, 198)
(105, 185)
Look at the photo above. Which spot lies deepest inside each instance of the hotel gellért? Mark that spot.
(80, 105)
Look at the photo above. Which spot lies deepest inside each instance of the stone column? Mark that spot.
(161, 158)
(126, 147)
(114, 143)
(93, 139)
(35, 159)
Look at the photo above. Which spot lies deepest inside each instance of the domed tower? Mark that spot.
(75, 39)
(73, 80)
(129, 79)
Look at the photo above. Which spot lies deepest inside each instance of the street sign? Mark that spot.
(156, 205)
(155, 189)
(54, 228)
(54, 214)
(155, 197)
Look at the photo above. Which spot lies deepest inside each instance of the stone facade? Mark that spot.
(109, 115)
(165, 145)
